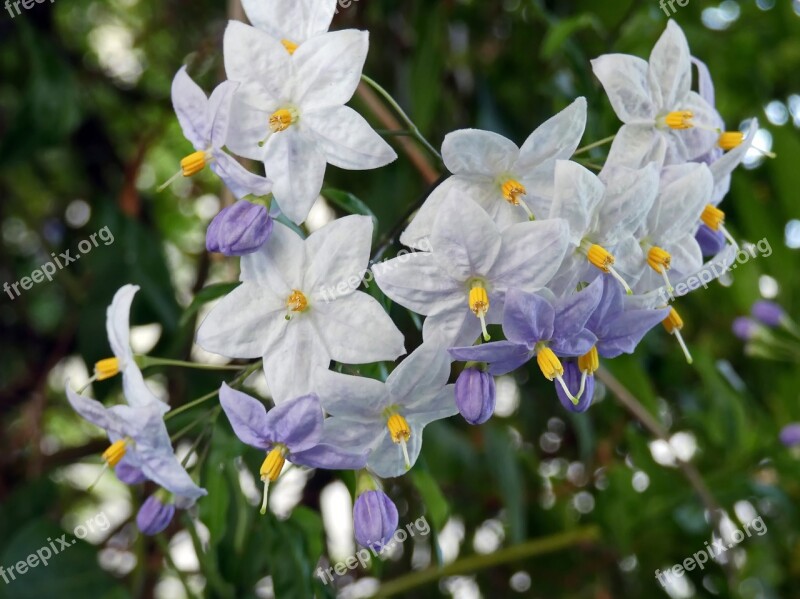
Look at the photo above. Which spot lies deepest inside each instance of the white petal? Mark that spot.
(297, 169)
(685, 190)
(290, 362)
(454, 325)
(625, 79)
(355, 397)
(346, 139)
(476, 152)
(252, 55)
(357, 330)
(629, 197)
(531, 254)
(249, 123)
(555, 139)
(291, 20)
(387, 460)
(420, 377)
(136, 391)
(244, 324)
(578, 195)
(687, 257)
(730, 160)
(190, 102)
(219, 112)
(417, 282)
(238, 179)
(118, 324)
(338, 253)
(279, 265)
(671, 68)
(328, 68)
(635, 146)
(442, 405)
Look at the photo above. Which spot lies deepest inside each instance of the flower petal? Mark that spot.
(418, 282)
(238, 179)
(502, 356)
(118, 323)
(219, 112)
(528, 318)
(635, 146)
(292, 20)
(248, 418)
(670, 68)
(252, 55)
(578, 195)
(472, 152)
(248, 129)
(289, 362)
(555, 139)
(625, 79)
(336, 253)
(330, 457)
(629, 197)
(387, 460)
(190, 104)
(419, 377)
(545, 240)
(357, 398)
(454, 324)
(297, 423)
(278, 266)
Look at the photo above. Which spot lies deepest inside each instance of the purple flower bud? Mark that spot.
(711, 242)
(374, 518)
(475, 395)
(745, 328)
(572, 377)
(768, 313)
(790, 434)
(239, 229)
(154, 516)
(128, 474)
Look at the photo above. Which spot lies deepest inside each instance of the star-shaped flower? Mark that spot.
(665, 121)
(291, 22)
(510, 183)
(461, 284)
(298, 309)
(288, 110)
(388, 418)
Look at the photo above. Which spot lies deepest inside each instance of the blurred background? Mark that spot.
(87, 132)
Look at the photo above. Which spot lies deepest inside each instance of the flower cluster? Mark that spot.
(521, 244)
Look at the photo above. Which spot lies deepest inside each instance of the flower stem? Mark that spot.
(469, 565)
(147, 361)
(596, 144)
(246, 372)
(413, 129)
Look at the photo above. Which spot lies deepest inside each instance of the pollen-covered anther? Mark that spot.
(601, 258)
(400, 432)
(513, 191)
(660, 260)
(479, 304)
(588, 364)
(712, 217)
(553, 370)
(729, 140)
(679, 119)
(106, 368)
(270, 470)
(673, 324)
(297, 302)
(115, 452)
(280, 120)
(193, 163)
(290, 46)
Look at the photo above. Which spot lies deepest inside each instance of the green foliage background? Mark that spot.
(75, 125)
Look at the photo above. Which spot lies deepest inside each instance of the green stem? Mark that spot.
(414, 130)
(147, 361)
(196, 402)
(596, 144)
(395, 132)
(469, 565)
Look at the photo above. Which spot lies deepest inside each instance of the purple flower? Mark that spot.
(711, 242)
(130, 475)
(154, 516)
(768, 313)
(745, 328)
(572, 378)
(374, 519)
(293, 430)
(239, 229)
(475, 395)
(790, 434)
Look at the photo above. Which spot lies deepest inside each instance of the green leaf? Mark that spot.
(432, 496)
(205, 295)
(557, 34)
(350, 204)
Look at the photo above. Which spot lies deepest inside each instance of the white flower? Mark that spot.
(665, 121)
(388, 418)
(291, 22)
(284, 310)
(508, 182)
(461, 284)
(288, 110)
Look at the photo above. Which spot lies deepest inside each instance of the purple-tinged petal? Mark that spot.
(330, 457)
(190, 104)
(504, 356)
(238, 179)
(528, 318)
(573, 312)
(248, 418)
(573, 346)
(154, 516)
(745, 328)
(609, 306)
(375, 519)
(790, 434)
(768, 313)
(711, 242)
(239, 229)
(476, 395)
(129, 474)
(623, 333)
(296, 423)
(218, 113)
(572, 377)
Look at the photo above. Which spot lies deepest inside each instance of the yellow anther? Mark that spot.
(115, 452)
(673, 322)
(398, 428)
(679, 119)
(730, 139)
(297, 302)
(281, 119)
(479, 304)
(590, 361)
(290, 46)
(712, 217)
(193, 163)
(600, 257)
(658, 259)
(513, 190)
(549, 363)
(105, 369)
(273, 464)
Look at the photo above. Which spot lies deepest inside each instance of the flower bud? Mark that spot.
(790, 434)
(154, 516)
(374, 519)
(475, 395)
(711, 242)
(239, 229)
(745, 328)
(572, 377)
(768, 313)
(128, 474)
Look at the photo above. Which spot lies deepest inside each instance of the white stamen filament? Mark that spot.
(666, 279)
(572, 398)
(263, 509)
(405, 453)
(579, 394)
(99, 476)
(682, 343)
(86, 386)
(728, 236)
(619, 278)
(486, 336)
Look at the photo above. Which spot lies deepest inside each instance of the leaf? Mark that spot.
(351, 205)
(432, 496)
(508, 479)
(557, 34)
(206, 295)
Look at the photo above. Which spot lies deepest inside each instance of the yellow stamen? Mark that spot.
(679, 119)
(297, 301)
(660, 260)
(400, 432)
(270, 470)
(479, 304)
(290, 46)
(513, 191)
(115, 452)
(603, 259)
(730, 139)
(590, 361)
(193, 163)
(673, 324)
(553, 370)
(712, 217)
(281, 119)
(105, 369)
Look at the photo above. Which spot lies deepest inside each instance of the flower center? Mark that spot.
(290, 46)
(601, 258)
(297, 302)
(193, 163)
(673, 324)
(660, 260)
(479, 304)
(730, 139)
(281, 119)
(679, 119)
(513, 191)
(115, 452)
(400, 432)
(105, 369)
